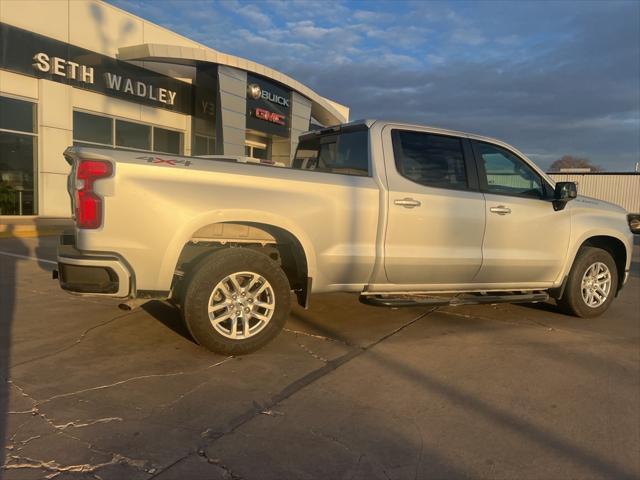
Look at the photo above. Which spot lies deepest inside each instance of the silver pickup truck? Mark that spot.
(400, 214)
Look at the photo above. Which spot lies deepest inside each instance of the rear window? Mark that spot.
(345, 153)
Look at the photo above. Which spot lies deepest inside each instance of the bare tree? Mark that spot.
(569, 161)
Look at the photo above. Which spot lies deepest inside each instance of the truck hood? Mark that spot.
(594, 203)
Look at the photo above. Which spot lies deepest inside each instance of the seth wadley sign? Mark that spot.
(83, 73)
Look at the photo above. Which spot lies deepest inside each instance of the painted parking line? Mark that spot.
(27, 257)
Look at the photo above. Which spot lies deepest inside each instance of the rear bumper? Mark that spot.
(95, 274)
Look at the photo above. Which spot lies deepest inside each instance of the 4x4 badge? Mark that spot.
(172, 161)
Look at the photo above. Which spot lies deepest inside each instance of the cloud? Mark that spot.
(399, 36)
(551, 78)
(332, 11)
(370, 16)
(254, 15)
(468, 37)
(308, 31)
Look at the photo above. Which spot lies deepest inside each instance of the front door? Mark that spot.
(436, 215)
(525, 241)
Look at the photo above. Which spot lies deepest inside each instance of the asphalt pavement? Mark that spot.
(347, 391)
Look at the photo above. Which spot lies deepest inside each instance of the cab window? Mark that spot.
(507, 174)
(429, 159)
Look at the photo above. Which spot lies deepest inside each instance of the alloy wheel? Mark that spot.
(241, 305)
(596, 284)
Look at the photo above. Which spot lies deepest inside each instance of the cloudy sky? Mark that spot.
(550, 78)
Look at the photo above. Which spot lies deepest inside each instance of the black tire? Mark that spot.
(572, 301)
(200, 288)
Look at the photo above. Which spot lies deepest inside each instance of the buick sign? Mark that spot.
(256, 92)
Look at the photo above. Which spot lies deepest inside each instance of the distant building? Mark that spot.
(621, 188)
(86, 72)
(576, 170)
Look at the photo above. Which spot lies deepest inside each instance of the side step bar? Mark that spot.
(465, 299)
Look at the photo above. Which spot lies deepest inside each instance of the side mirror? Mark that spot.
(564, 192)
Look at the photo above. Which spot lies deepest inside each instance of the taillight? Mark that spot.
(88, 203)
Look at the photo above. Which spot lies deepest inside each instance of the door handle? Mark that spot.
(500, 210)
(407, 203)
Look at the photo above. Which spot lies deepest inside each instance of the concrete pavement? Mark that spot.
(346, 391)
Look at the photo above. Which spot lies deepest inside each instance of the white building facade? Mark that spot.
(86, 72)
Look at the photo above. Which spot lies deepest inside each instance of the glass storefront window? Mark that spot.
(17, 115)
(260, 153)
(166, 141)
(133, 135)
(18, 150)
(92, 128)
(203, 145)
(256, 149)
(98, 130)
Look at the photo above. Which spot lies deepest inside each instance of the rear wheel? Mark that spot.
(592, 283)
(236, 301)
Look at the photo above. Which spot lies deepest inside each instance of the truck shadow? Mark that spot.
(548, 306)
(8, 293)
(483, 411)
(168, 315)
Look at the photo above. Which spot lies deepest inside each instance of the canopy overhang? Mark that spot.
(323, 110)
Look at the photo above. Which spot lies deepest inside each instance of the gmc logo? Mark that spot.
(272, 117)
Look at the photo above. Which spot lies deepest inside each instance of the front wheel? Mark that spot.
(592, 283)
(236, 301)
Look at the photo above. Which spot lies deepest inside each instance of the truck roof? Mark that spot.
(369, 122)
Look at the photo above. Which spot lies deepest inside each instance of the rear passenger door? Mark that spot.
(436, 213)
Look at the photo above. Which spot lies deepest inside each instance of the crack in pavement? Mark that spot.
(76, 342)
(24, 442)
(530, 322)
(132, 379)
(14, 435)
(527, 322)
(88, 423)
(292, 388)
(164, 406)
(355, 467)
(311, 352)
(332, 439)
(346, 447)
(20, 462)
(307, 380)
(52, 465)
(56, 468)
(319, 337)
(218, 463)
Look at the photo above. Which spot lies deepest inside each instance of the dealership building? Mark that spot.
(88, 73)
